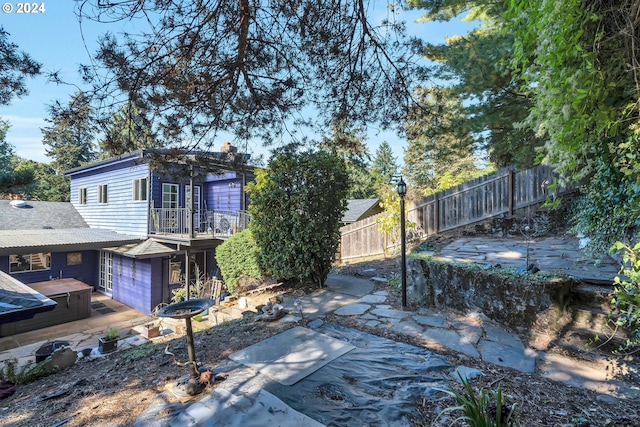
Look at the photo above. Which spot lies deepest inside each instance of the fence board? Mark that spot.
(476, 200)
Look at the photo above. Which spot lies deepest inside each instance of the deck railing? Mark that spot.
(214, 223)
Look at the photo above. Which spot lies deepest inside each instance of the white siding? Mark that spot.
(120, 213)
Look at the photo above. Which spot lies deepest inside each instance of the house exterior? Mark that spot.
(358, 209)
(131, 230)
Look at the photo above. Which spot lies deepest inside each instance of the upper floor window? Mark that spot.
(140, 190)
(102, 193)
(29, 262)
(82, 196)
(169, 196)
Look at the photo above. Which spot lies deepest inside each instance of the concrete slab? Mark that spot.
(292, 355)
(524, 360)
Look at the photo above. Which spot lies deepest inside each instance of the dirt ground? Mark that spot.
(113, 391)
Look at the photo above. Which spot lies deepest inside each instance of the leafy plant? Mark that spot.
(112, 334)
(26, 374)
(626, 294)
(484, 409)
(237, 257)
(389, 220)
(139, 352)
(297, 205)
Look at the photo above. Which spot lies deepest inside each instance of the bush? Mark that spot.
(239, 257)
(296, 209)
(484, 409)
(626, 295)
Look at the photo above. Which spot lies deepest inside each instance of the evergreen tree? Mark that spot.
(15, 66)
(70, 136)
(439, 154)
(475, 69)
(384, 165)
(128, 130)
(252, 68)
(11, 178)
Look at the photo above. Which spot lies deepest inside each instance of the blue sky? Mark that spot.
(55, 38)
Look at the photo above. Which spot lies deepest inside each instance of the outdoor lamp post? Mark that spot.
(402, 191)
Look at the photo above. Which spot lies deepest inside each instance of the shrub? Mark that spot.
(237, 257)
(626, 295)
(296, 209)
(480, 410)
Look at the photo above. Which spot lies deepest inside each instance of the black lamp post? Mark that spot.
(402, 191)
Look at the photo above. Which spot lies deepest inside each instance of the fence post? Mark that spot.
(436, 215)
(511, 185)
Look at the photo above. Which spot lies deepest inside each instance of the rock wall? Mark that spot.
(516, 301)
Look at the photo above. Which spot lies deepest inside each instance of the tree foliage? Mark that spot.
(384, 165)
(15, 67)
(12, 179)
(128, 130)
(474, 68)
(71, 133)
(439, 153)
(389, 220)
(297, 204)
(580, 61)
(250, 67)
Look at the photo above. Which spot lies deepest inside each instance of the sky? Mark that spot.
(55, 38)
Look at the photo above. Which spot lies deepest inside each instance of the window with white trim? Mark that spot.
(82, 195)
(140, 190)
(29, 262)
(102, 193)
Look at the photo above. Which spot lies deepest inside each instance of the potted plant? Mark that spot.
(151, 330)
(109, 342)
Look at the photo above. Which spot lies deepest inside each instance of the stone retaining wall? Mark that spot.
(516, 301)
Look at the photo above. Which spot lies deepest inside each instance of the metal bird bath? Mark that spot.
(186, 310)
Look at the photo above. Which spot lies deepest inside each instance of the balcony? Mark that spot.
(176, 222)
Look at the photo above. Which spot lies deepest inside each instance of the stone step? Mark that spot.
(584, 317)
(593, 296)
(583, 341)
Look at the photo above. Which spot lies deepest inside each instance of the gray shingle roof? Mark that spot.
(147, 249)
(27, 241)
(20, 302)
(358, 209)
(39, 215)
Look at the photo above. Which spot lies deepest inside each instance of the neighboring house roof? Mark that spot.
(20, 302)
(39, 215)
(147, 249)
(72, 239)
(358, 209)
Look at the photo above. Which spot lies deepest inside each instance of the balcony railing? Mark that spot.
(177, 221)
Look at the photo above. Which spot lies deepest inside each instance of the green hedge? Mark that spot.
(237, 257)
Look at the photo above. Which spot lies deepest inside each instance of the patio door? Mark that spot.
(196, 204)
(170, 215)
(105, 281)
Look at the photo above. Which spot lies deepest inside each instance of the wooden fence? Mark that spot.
(501, 192)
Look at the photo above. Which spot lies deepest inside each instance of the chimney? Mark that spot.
(228, 148)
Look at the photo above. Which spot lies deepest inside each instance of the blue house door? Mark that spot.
(105, 281)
